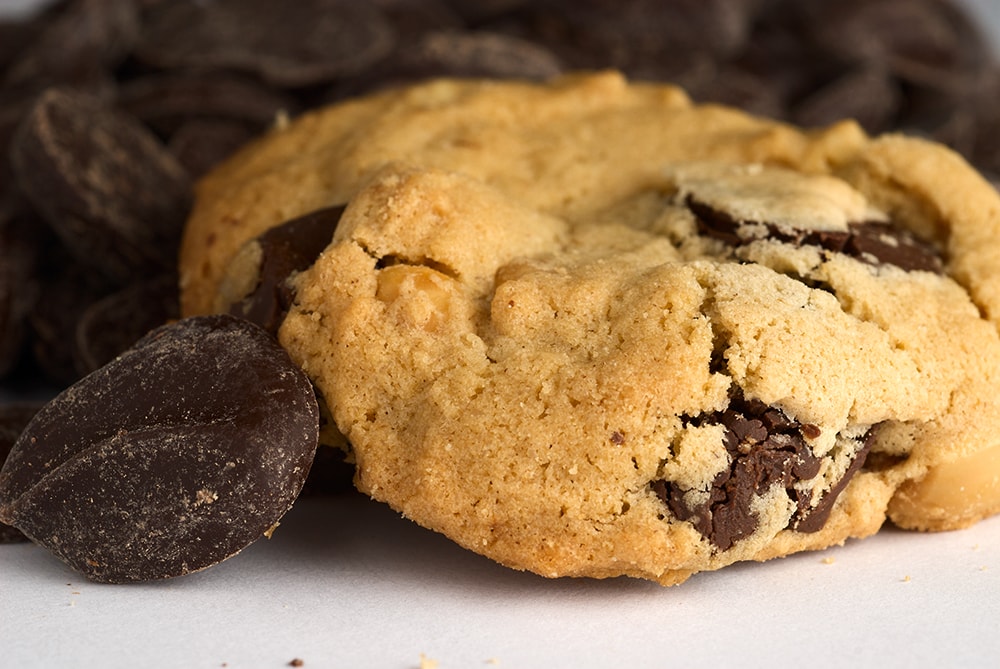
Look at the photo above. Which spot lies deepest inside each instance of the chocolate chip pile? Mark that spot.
(110, 110)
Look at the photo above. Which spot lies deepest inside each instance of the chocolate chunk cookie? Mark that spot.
(589, 328)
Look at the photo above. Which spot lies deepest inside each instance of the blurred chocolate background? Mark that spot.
(111, 109)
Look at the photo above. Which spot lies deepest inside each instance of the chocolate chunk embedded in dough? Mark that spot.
(873, 242)
(766, 447)
(285, 249)
(173, 457)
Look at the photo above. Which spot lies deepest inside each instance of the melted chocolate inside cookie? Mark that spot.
(288, 248)
(766, 447)
(872, 242)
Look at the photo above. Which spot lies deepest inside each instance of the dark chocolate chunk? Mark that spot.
(290, 247)
(921, 39)
(110, 190)
(882, 243)
(872, 242)
(15, 36)
(19, 250)
(766, 447)
(289, 44)
(165, 102)
(112, 324)
(816, 517)
(67, 288)
(173, 457)
(199, 145)
(477, 54)
(870, 96)
(80, 39)
(13, 418)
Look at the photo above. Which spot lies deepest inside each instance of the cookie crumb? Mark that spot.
(907, 579)
(427, 663)
(828, 560)
(494, 661)
(297, 662)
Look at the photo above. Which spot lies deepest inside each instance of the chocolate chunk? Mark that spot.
(872, 242)
(478, 54)
(111, 325)
(640, 36)
(816, 517)
(80, 39)
(871, 97)
(67, 289)
(19, 249)
(290, 247)
(295, 44)
(13, 418)
(882, 243)
(766, 448)
(110, 190)
(165, 102)
(919, 39)
(199, 145)
(173, 457)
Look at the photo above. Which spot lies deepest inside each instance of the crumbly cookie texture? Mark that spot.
(588, 328)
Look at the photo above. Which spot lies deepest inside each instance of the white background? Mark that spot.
(347, 583)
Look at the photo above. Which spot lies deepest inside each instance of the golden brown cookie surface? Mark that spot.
(590, 329)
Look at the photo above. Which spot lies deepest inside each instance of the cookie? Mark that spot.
(588, 328)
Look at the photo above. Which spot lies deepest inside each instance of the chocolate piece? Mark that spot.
(641, 37)
(872, 242)
(920, 40)
(19, 248)
(111, 325)
(766, 447)
(294, 44)
(200, 145)
(477, 54)
(816, 518)
(173, 457)
(870, 96)
(13, 418)
(110, 190)
(165, 102)
(67, 288)
(285, 249)
(883, 243)
(80, 39)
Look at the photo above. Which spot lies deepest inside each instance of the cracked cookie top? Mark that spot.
(587, 328)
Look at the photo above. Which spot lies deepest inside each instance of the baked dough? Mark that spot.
(589, 328)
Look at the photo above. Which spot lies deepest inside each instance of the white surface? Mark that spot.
(347, 583)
